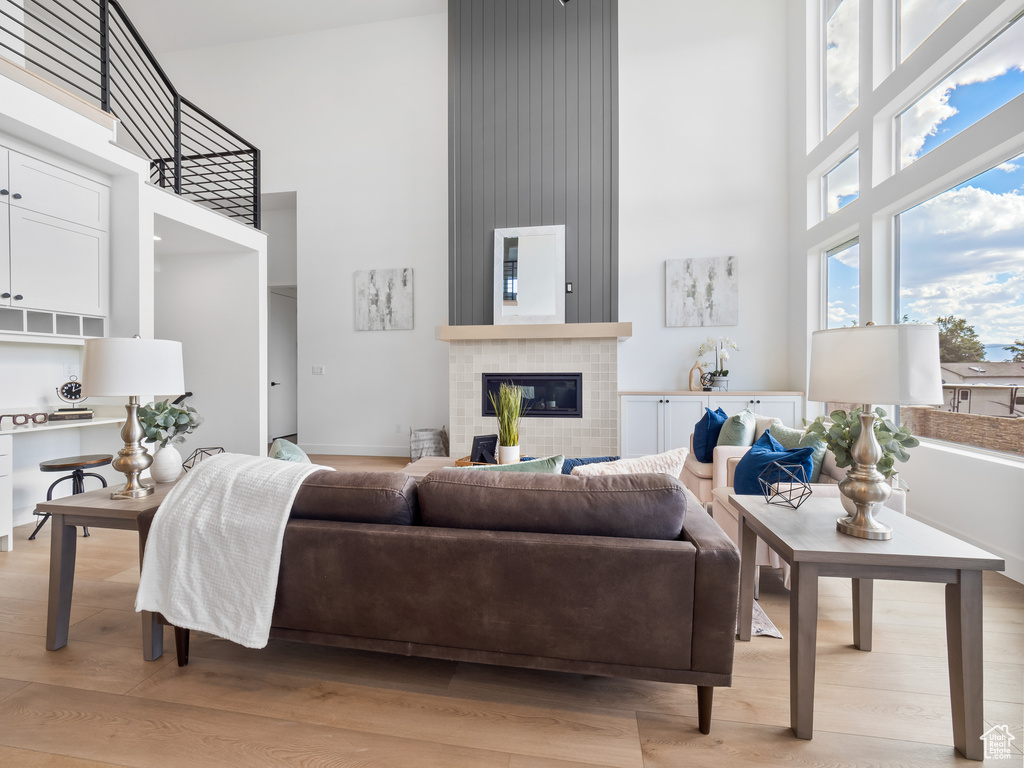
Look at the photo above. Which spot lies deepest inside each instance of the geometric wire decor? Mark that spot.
(198, 455)
(784, 484)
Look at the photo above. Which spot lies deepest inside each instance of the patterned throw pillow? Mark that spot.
(670, 463)
(738, 429)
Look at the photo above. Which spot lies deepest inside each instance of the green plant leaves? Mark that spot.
(166, 423)
(841, 430)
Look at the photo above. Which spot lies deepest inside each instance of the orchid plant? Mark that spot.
(720, 347)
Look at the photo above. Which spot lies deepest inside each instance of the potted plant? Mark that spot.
(508, 407)
(719, 377)
(165, 424)
(841, 429)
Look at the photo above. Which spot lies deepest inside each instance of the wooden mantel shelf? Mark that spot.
(620, 331)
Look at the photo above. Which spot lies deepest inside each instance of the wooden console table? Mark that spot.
(807, 539)
(94, 509)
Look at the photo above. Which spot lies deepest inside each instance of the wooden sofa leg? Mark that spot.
(181, 637)
(705, 693)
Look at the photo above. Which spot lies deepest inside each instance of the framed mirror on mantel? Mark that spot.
(529, 275)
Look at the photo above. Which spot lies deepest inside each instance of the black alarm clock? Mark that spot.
(70, 391)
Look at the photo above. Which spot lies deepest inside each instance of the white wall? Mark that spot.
(282, 250)
(354, 120)
(703, 172)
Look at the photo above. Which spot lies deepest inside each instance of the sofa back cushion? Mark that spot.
(388, 498)
(645, 506)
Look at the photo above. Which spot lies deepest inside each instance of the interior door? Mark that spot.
(282, 365)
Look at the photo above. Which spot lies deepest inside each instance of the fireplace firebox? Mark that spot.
(545, 395)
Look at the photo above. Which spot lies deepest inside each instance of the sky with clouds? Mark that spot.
(961, 252)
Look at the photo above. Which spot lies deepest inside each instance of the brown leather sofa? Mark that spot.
(617, 576)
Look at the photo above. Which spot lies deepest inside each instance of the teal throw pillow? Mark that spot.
(705, 434)
(790, 439)
(552, 465)
(738, 429)
(762, 453)
(286, 451)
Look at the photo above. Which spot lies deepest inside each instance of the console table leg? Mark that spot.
(863, 600)
(964, 647)
(63, 546)
(748, 553)
(803, 632)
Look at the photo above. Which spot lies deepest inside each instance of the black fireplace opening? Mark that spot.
(545, 395)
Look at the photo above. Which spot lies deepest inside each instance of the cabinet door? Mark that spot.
(5, 255)
(641, 419)
(731, 404)
(4, 198)
(784, 408)
(57, 265)
(681, 414)
(45, 188)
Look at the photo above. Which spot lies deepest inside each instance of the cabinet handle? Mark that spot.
(5, 295)
(16, 196)
(18, 297)
(275, 383)
(4, 192)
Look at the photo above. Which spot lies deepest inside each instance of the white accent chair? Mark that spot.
(702, 478)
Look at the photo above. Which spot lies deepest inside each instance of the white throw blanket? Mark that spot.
(214, 550)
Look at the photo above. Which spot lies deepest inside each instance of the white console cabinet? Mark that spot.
(54, 248)
(6, 495)
(654, 422)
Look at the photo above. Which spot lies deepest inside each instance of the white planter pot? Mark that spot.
(166, 467)
(508, 454)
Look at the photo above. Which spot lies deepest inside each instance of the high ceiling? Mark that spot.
(183, 24)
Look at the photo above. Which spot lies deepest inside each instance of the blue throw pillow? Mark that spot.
(705, 434)
(762, 453)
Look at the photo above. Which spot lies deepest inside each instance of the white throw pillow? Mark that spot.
(762, 424)
(670, 462)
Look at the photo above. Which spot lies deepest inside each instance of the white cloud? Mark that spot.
(962, 253)
(1008, 167)
(849, 257)
(842, 181)
(842, 58)
(926, 116)
(839, 315)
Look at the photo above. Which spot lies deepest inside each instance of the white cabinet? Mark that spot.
(786, 408)
(653, 422)
(657, 423)
(54, 249)
(6, 496)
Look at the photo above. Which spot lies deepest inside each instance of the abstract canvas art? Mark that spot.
(701, 291)
(384, 300)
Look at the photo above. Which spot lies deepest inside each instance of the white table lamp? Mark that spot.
(880, 364)
(129, 368)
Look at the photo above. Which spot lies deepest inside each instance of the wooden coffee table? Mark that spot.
(94, 509)
(807, 539)
(422, 467)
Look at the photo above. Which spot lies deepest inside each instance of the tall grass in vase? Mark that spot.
(508, 407)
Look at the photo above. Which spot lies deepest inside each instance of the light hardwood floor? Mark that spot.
(96, 702)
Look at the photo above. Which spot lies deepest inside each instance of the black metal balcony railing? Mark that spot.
(91, 48)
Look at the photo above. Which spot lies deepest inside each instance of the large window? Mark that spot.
(842, 60)
(842, 285)
(842, 183)
(978, 87)
(918, 19)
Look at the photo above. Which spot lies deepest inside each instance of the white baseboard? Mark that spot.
(356, 450)
(1014, 562)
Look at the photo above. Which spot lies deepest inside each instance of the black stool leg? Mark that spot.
(49, 497)
(77, 478)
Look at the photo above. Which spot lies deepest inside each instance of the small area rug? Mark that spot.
(761, 625)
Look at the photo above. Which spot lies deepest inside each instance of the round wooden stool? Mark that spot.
(77, 465)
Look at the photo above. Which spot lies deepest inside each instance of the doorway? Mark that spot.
(280, 225)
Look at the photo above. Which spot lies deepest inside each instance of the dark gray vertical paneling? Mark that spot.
(532, 141)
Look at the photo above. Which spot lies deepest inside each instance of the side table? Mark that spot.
(97, 510)
(807, 539)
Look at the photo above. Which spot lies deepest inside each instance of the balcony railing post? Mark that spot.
(177, 142)
(256, 207)
(104, 55)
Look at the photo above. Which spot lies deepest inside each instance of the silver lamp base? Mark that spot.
(133, 459)
(864, 485)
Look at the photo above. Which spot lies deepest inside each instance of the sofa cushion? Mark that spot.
(790, 439)
(552, 465)
(705, 434)
(738, 429)
(357, 497)
(669, 463)
(644, 506)
(761, 454)
(287, 451)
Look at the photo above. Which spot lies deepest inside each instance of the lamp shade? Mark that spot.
(126, 367)
(889, 364)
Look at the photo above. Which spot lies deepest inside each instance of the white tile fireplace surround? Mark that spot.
(587, 348)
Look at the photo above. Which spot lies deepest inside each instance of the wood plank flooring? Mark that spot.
(97, 703)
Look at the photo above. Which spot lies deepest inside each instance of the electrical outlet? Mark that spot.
(318, 370)
(398, 429)
(568, 287)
